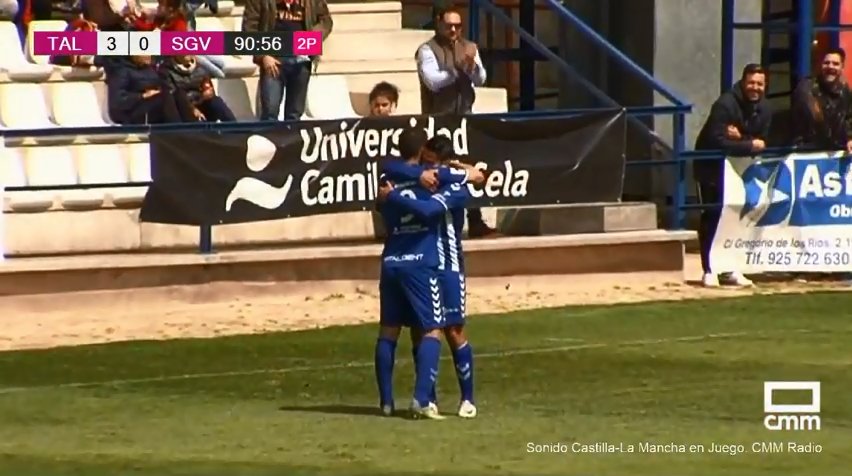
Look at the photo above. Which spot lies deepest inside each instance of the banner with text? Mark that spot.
(790, 214)
(208, 178)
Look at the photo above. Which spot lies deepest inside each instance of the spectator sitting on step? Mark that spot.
(384, 99)
(821, 108)
(136, 94)
(738, 123)
(185, 76)
(169, 16)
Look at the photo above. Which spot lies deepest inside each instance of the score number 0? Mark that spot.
(143, 43)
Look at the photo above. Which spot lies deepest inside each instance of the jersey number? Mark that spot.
(409, 194)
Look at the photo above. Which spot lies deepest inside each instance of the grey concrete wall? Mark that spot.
(688, 53)
(687, 58)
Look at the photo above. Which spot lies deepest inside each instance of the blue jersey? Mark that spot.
(406, 175)
(453, 225)
(415, 219)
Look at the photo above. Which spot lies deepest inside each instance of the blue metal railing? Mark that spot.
(681, 107)
(205, 242)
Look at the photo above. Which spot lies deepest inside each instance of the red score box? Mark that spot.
(307, 43)
(50, 43)
(192, 43)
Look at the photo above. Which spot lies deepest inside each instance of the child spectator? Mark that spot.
(185, 76)
(384, 99)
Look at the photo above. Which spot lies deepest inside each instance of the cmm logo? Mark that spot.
(768, 192)
(796, 417)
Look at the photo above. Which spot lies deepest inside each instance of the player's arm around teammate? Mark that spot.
(450, 200)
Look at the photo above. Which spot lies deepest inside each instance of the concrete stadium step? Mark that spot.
(373, 45)
(366, 16)
(621, 252)
(347, 16)
(578, 218)
(391, 65)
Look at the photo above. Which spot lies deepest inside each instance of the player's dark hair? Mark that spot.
(410, 142)
(387, 90)
(442, 147)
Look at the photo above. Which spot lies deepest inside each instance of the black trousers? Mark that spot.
(710, 191)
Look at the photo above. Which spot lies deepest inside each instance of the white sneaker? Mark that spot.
(429, 412)
(736, 279)
(467, 409)
(710, 280)
(387, 410)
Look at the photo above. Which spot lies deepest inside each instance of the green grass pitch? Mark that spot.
(303, 403)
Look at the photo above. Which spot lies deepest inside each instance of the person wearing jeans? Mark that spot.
(285, 76)
(738, 124)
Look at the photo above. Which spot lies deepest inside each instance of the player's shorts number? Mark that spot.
(407, 193)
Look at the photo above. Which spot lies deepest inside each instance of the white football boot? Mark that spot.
(429, 412)
(467, 409)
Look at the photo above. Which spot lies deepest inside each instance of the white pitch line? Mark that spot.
(348, 365)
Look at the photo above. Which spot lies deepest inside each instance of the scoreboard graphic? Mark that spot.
(171, 43)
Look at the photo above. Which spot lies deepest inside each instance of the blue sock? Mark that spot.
(433, 395)
(385, 356)
(428, 356)
(463, 359)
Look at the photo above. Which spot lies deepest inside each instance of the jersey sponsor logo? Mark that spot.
(406, 258)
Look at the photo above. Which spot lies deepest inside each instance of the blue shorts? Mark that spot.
(411, 297)
(453, 287)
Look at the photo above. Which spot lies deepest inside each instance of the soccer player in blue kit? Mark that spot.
(413, 257)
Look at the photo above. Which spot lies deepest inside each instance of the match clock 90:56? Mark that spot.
(270, 43)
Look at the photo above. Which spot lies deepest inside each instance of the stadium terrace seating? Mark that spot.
(328, 98)
(13, 63)
(36, 95)
(75, 104)
(67, 72)
(23, 106)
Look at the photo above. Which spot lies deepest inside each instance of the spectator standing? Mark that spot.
(822, 107)
(384, 98)
(449, 68)
(285, 75)
(739, 124)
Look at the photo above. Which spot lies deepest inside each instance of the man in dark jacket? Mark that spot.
(738, 124)
(822, 107)
(285, 73)
(136, 94)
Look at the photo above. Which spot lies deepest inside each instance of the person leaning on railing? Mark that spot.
(822, 107)
(738, 124)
